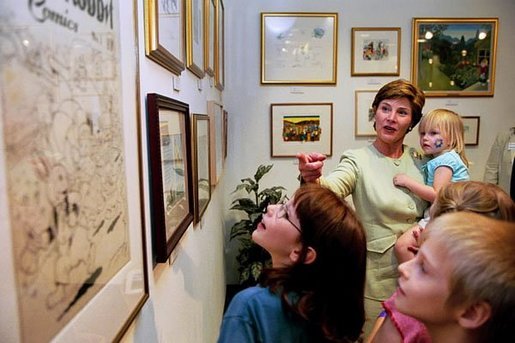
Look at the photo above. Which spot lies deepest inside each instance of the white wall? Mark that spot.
(248, 102)
(187, 294)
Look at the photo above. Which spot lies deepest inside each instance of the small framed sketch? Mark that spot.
(195, 36)
(209, 37)
(301, 127)
(376, 51)
(364, 114)
(215, 112)
(299, 48)
(471, 130)
(201, 165)
(171, 176)
(454, 57)
(164, 33)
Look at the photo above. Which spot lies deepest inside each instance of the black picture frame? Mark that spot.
(171, 181)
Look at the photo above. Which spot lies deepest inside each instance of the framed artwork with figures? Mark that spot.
(71, 211)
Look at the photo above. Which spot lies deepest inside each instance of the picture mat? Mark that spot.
(385, 65)
(287, 149)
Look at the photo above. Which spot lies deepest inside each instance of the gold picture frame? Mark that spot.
(454, 57)
(220, 46)
(375, 51)
(299, 48)
(195, 37)
(209, 37)
(164, 33)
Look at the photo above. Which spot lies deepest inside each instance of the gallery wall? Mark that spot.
(186, 294)
(248, 102)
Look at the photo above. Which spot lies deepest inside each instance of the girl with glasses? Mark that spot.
(314, 291)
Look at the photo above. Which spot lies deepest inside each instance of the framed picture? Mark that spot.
(301, 127)
(225, 128)
(220, 45)
(299, 48)
(471, 130)
(364, 114)
(164, 33)
(171, 176)
(209, 37)
(376, 51)
(195, 36)
(454, 57)
(201, 165)
(215, 112)
(73, 245)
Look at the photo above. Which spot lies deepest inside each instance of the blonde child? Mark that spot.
(442, 138)
(471, 196)
(461, 284)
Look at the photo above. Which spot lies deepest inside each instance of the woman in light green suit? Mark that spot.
(385, 210)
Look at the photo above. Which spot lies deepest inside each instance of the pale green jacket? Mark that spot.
(385, 210)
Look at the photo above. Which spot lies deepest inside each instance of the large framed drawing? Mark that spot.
(201, 164)
(74, 266)
(215, 112)
(169, 145)
(454, 57)
(471, 130)
(195, 36)
(364, 114)
(209, 37)
(299, 48)
(164, 33)
(376, 51)
(301, 127)
(220, 46)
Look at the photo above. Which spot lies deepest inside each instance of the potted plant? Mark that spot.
(251, 257)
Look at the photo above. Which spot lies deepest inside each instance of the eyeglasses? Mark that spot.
(282, 212)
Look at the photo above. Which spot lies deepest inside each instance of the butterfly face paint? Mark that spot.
(432, 142)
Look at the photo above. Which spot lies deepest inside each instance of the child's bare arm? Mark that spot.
(425, 192)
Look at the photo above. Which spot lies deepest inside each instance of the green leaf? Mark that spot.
(261, 171)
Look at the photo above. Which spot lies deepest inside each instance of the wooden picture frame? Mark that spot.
(169, 142)
(376, 51)
(454, 57)
(71, 216)
(471, 130)
(195, 37)
(307, 56)
(220, 46)
(201, 164)
(301, 127)
(364, 115)
(225, 134)
(209, 37)
(215, 112)
(164, 33)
